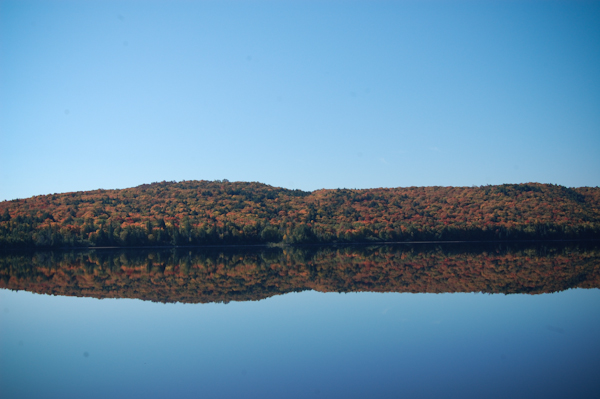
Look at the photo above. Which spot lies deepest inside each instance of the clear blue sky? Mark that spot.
(308, 95)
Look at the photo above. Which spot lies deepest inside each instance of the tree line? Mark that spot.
(193, 213)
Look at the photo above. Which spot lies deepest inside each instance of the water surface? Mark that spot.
(248, 331)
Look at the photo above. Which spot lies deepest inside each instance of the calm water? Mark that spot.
(397, 343)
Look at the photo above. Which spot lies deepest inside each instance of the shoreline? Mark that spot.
(281, 245)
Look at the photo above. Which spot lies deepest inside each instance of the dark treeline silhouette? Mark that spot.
(194, 213)
(218, 275)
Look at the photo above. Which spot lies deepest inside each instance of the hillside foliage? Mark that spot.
(221, 212)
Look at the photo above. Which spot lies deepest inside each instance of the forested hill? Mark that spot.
(222, 212)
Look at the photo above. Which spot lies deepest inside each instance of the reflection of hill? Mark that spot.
(219, 276)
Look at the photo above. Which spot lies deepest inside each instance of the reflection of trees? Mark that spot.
(224, 275)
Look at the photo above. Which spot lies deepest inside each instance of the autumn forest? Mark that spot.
(195, 213)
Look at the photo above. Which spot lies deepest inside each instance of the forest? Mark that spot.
(217, 275)
(200, 213)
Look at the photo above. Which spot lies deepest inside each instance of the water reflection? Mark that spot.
(242, 274)
(308, 344)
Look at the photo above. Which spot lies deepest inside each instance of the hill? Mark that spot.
(222, 212)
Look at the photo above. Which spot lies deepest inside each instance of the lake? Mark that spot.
(417, 321)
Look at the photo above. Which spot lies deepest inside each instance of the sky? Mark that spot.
(298, 94)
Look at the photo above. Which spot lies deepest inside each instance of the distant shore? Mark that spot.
(222, 213)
